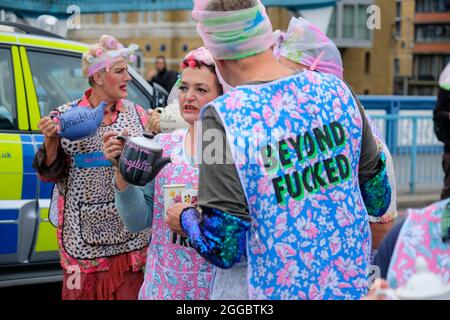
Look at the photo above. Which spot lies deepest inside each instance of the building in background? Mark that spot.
(404, 45)
(403, 55)
(168, 33)
(366, 52)
(431, 51)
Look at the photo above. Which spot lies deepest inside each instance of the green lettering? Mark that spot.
(323, 137)
(280, 189)
(316, 176)
(284, 154)
(330, 170)
(338, 134)
(271, 163)
(305, 179)
(343, 166)
(297, 191)
(296, 144)
(310, 145)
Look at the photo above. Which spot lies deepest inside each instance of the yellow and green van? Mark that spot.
(37, 74)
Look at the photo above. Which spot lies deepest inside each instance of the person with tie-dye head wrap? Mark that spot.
(296, 202)
(304, 47)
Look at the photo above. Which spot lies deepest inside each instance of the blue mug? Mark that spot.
(79, 122)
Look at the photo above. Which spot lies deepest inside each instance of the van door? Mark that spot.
(18, 182)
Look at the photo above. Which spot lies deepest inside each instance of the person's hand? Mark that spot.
(378, 284)
(49, 128)
(154, 121)
(152, 73)
(173, 218)
(112, 147)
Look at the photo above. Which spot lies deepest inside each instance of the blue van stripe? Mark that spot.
(45, 190)
(25, 138)
(39, 138)
(9, 214)
(28, 155)
(29, 181)
(8, 238)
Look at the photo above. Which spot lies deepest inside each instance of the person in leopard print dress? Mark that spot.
(94, 243)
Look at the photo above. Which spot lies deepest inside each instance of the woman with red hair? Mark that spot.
(174, 270)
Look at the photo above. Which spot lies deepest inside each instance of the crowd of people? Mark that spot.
(293, 181)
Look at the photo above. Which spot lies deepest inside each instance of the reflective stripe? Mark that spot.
(13, 204)
(8, 38)
(11, 168)
(20, 91)
(41, 42)
(33, 106)
(44, 203)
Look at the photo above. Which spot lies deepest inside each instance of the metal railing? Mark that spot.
(406, 123)
(417, 153)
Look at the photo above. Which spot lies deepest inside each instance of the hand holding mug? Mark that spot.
(112, 147)
(154, 120)
(49, 127)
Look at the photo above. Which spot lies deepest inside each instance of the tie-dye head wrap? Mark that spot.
(305, 44)
(233, 35)
(444, 78)
(105, 53)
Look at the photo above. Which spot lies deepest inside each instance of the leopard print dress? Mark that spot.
(92, 227)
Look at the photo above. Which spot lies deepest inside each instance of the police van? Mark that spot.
(38, 72)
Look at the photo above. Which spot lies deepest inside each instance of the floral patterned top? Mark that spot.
(296, 146)
(174, 270)
(421, 235)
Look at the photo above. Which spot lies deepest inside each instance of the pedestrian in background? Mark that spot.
(441, 118)
(164, 77)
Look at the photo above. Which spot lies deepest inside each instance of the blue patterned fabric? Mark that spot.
(296, 146)
(376, 191)
(218, 236)
(420, 236)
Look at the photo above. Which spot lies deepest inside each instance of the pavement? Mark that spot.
(417, 200)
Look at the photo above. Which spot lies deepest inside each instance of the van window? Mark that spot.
(8, 115)
(58, 79)
(135, 95)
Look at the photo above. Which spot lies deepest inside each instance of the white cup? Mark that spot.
(171, 118)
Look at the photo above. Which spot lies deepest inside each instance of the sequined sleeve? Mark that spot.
(376, 192)
(216, 235)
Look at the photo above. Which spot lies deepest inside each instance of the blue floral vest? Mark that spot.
(296, 146)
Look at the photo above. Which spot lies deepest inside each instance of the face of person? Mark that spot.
(198, 87)
(115, 81)
(160, 64)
